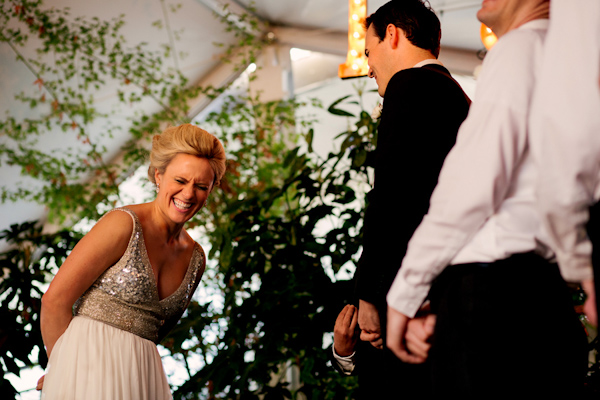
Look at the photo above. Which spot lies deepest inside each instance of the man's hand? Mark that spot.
(397, 328)
(418, 335)
(370, 326)
(40, 383)
(345, 335)
(589, 307)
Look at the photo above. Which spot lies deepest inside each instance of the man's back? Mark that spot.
(423, 107)
(422, 112)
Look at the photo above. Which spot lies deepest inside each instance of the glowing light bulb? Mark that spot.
(355, 64)
(488, 38)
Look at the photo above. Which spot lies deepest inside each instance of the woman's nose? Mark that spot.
(188, 191)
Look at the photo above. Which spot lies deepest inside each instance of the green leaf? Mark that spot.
(336, 111)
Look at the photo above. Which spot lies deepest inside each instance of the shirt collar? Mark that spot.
(427, 62)
(541, 23)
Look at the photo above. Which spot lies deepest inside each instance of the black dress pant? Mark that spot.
(593, 229)
(381, 375)
(506, 329)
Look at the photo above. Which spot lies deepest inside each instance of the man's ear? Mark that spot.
(394, 33)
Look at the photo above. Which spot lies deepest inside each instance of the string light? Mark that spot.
(356, 62)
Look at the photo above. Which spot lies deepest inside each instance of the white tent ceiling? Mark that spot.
(317, 25)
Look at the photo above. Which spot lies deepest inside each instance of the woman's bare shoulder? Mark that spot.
(118, 219)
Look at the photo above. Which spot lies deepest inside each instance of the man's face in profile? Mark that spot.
(376, 54)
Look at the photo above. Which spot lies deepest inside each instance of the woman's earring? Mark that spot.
(157, 187)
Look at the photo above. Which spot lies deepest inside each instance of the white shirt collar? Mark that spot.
(541, 23)
(428, 61)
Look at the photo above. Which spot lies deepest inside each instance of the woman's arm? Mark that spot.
(102, 247)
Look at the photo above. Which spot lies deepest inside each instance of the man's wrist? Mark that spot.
(350, 357)
(346, 364)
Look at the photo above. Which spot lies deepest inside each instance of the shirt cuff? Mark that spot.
(573, 268)
(406, 298)
(346, 363)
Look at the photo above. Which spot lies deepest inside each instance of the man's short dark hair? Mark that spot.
(414, 17)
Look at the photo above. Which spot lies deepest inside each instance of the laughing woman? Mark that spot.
(128, 281)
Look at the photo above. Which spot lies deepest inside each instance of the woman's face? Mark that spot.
(184, 186)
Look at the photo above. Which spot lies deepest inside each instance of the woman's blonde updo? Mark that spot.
(186, 139)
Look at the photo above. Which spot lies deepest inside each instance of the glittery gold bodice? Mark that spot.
(126, 294)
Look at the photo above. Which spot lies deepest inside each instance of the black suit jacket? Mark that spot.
(422, 111)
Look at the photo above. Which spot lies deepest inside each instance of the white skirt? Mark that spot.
(96, 361)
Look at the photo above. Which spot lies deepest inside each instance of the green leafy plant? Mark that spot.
(26, 269)
(280, 244)
(75, 60)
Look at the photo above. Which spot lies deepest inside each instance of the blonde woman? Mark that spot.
(128, 281)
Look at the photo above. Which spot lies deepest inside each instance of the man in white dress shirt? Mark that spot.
(565, 137)
(505, 321)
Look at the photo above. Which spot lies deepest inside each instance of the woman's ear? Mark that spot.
(157, 177)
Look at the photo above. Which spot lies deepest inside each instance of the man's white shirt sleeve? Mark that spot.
(565, 131)
(345, 363)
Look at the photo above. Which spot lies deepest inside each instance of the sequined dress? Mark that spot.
(109, 349)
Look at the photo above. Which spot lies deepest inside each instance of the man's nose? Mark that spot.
(370, 73)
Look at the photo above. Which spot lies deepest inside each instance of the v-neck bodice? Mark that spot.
(126, 294)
